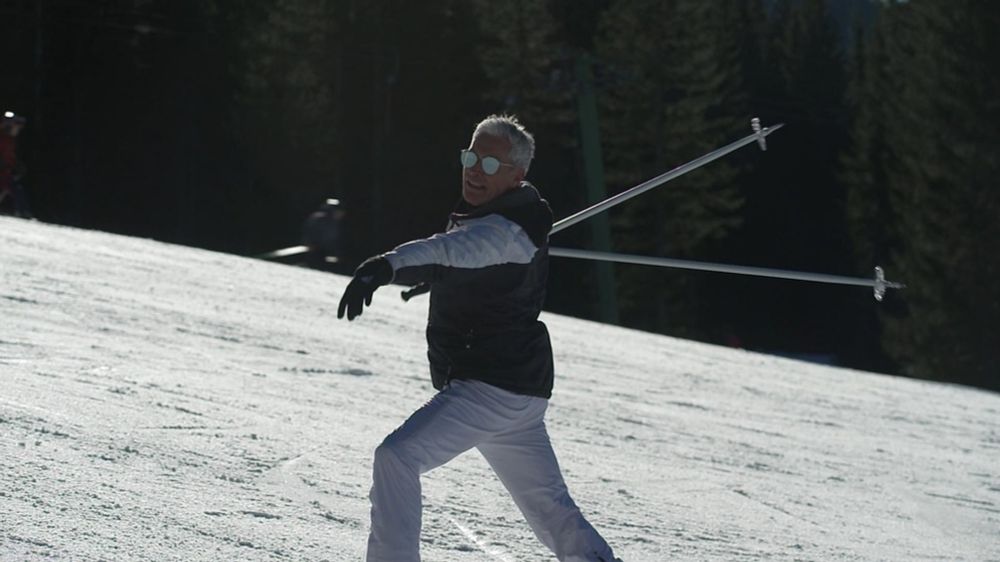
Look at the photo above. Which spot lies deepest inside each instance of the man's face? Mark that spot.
(479, 188)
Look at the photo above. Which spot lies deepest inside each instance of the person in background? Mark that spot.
(322, 233)
(10, 167)
(491, 358)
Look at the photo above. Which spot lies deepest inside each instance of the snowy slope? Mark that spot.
(166, 403)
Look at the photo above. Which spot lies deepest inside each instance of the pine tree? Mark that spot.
(794, 211)
(413, 95)
(681, 94)
(869, 214)
(285, 116)
(365, 101)
(942, 70)
(526, 63)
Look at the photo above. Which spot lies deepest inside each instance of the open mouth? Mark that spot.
(474, 187)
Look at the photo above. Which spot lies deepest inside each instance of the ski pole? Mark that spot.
(878, 283)
(758, 136)
(415, 291)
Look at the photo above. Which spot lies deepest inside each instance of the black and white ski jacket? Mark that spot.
(487, 274)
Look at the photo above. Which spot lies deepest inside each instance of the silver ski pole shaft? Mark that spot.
(878, 283)
(757, 136)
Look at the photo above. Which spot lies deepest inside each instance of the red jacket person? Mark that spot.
(10, 127)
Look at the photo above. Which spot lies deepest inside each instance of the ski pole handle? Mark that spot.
(415, 291)
(761, 137)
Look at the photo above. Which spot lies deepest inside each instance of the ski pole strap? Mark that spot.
(415, 291)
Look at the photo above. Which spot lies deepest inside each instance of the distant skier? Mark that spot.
(10, 167)
(490, 356)
(322, 233)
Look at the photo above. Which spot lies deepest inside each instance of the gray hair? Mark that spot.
(507, 126)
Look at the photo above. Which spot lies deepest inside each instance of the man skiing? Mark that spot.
(490, 356)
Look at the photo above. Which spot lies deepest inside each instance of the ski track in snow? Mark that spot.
(169, 403)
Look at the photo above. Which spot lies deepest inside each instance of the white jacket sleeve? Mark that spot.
(475, 244)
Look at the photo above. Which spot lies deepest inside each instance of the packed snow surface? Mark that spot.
(165, 403)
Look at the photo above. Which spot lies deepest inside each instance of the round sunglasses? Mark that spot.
(490, 164)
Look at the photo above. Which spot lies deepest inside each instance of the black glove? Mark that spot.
(369, 276)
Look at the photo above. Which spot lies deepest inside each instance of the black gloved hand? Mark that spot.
(369, 276)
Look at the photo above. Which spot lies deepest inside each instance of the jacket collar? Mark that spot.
(520, 195)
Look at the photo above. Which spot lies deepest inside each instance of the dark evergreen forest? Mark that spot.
(223, 123)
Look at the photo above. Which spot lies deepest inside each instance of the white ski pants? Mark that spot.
(509, 431)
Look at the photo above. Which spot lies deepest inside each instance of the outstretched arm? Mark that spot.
(475, 245)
